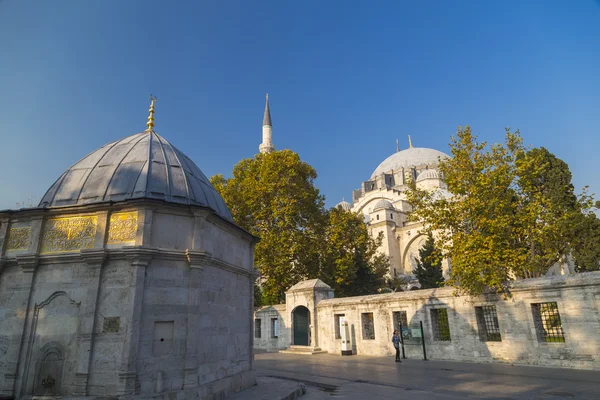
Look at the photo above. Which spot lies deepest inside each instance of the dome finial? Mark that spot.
(397, 146)
(150, 122)
(410, 142)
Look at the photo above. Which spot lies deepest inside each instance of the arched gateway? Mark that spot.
(301, 325)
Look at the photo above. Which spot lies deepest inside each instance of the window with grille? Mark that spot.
(368, 326)
(400, 318)
(257, 328)
(274, 328)
(487, 322)
(547, 322)
(338, 320)
(439, 324)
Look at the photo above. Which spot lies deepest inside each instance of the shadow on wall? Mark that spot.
(448, 334)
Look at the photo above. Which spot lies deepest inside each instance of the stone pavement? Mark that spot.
(272, 389)
(359, 377)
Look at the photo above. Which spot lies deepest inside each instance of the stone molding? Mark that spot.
(28, 262)
(198, 258)
(139, 256)
(94, 257)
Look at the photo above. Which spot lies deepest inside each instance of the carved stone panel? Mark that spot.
(18, 239)
(123, 227)
(111, 325)
(69, 234)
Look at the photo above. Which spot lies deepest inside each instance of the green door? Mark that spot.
(301, 326)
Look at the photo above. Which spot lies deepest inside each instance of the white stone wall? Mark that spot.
(577, 297)
(267, 342)
(184, 276)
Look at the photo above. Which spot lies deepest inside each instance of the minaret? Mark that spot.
(267, 131)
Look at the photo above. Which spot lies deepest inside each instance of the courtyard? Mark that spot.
(361, 377)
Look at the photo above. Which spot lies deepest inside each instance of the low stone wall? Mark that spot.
(522, 332)
(552, 321)
(266, 340)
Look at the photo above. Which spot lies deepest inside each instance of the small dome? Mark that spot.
(383, 204)
(143, 165)
(411, 157)
(344, 205)
(428, 174)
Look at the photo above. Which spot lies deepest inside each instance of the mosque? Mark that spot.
(129, 279)
(382, 201)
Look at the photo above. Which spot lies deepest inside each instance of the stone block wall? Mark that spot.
(138, 302)
(514, 331)
(577, 298)
(266, 341)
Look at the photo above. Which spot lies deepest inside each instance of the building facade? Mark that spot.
(129, 279)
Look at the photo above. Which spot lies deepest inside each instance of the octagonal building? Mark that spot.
(129, 279)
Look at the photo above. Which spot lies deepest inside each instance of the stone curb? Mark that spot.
(300, 391)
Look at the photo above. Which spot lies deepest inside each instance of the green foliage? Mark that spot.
(429, 266)
(514, 212)
(349, 258)
(586, 243)
(273, 197)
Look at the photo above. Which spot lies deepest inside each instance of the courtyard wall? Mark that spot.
(551, 321)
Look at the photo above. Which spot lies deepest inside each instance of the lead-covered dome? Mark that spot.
(407, 158)
(383, 204)
(344, 205)
(428, 174)
(143, 165)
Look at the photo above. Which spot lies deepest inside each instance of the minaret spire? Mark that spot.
(267, 130)
(150, 122)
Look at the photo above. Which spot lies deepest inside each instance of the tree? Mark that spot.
(586, 244)
(513, 213)
(273, 196)
(350, 261)
(429, 266)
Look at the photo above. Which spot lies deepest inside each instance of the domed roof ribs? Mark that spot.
(108, 186)
(168, 173)
(187, 186)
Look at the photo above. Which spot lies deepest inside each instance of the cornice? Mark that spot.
(198, 258)
(27, 262)
(93, 257)
(139, 256)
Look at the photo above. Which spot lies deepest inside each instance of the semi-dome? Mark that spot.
(407, 158)
(428, 174)
(383, 204)
(143, 165)
(344, 205)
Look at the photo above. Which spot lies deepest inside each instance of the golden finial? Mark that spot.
(150, 122)
(410, 142)
(267, 96)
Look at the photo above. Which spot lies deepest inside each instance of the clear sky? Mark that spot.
(345, 79)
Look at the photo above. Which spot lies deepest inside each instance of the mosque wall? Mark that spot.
(552, 321)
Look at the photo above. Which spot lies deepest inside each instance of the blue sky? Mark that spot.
(345, 79)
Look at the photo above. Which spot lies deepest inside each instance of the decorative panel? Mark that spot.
(123, 227)
(69, 234)
(18, 239)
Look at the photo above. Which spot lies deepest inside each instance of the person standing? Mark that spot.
(396, 342)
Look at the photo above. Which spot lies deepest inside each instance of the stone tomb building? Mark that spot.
(129, 279)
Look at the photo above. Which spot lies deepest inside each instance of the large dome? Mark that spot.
(143, 165)
(411, 157)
